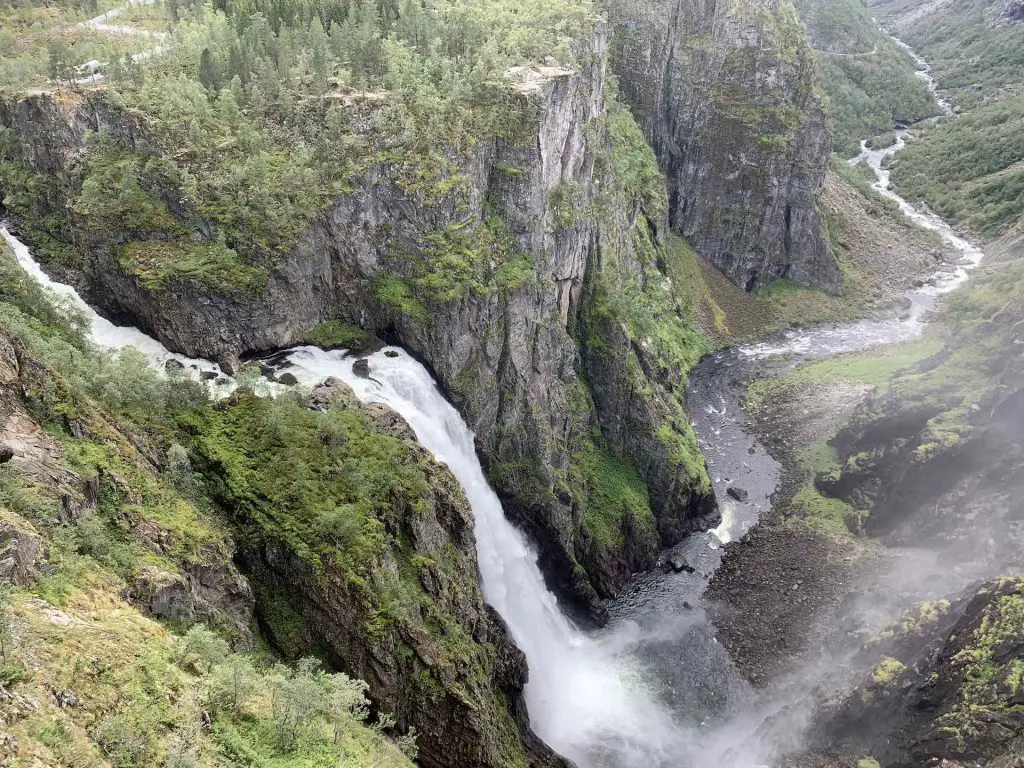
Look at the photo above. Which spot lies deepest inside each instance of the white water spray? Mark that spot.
(586, 697)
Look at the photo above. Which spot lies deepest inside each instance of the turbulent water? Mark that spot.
(588, 696)
(655, 688)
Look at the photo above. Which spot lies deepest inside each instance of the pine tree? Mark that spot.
(209, 72)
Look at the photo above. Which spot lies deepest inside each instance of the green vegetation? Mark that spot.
(271, 111)
(159, 263)
(616, 499)
(972, 50)
(867, 78)
(44, 40)
(873, 370)
(335, 334)
(140, 690)
(988, 675)
(887, 671)
(968, 168)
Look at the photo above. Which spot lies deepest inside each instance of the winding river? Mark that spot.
(654, 688)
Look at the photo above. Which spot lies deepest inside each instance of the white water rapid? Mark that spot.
(816, 341)
(587, 699)
(104, 333)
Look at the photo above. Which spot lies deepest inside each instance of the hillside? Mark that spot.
(869, 81)
(967, 169)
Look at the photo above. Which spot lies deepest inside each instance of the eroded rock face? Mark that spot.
(942, 688)
(723, 92)
(448, 667)
(213, 593)
(505, 356)
(21, 549)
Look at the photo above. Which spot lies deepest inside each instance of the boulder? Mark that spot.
(676, 563)
(737, 493)
(214, 593)
(208, 375)
(361, 368)
(333, 392)
(174, 366)
(288, 379)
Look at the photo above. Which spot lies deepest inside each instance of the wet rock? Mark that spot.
(174, 366)
(333, 391)
(676, 563)
(6, 453)
(288, 379)
(270, 374)
(361, 368)
(230, 364)
(390, 353)
(687, 606)
(208, 375)
(737, 493)
(20, 547)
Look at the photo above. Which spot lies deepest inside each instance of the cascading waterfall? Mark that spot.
(586, 697)
(590, 696)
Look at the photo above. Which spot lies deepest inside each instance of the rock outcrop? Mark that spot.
(936, 459)
(411, 621)
(520, 218)
(189, 586)
(943, 687)
(724, 94)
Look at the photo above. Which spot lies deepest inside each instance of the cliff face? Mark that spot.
(477, 263)
(723, 92)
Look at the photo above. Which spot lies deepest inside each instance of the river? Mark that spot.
(654, 688)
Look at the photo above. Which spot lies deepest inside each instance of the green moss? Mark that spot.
(395, 293)
(887, 671)
(160, 264)
(867, 762)
(615, 497)
(335, 334)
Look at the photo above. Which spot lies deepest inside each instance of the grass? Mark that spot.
(163, 264)
(616, 497)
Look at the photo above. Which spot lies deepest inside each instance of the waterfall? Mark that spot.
(587, 696)
(102, 332)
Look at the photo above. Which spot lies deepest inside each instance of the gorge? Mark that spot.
(495, 457)
(598, 700)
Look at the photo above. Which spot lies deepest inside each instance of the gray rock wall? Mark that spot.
(723, 92)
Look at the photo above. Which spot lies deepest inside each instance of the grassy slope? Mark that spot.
(140, 687)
